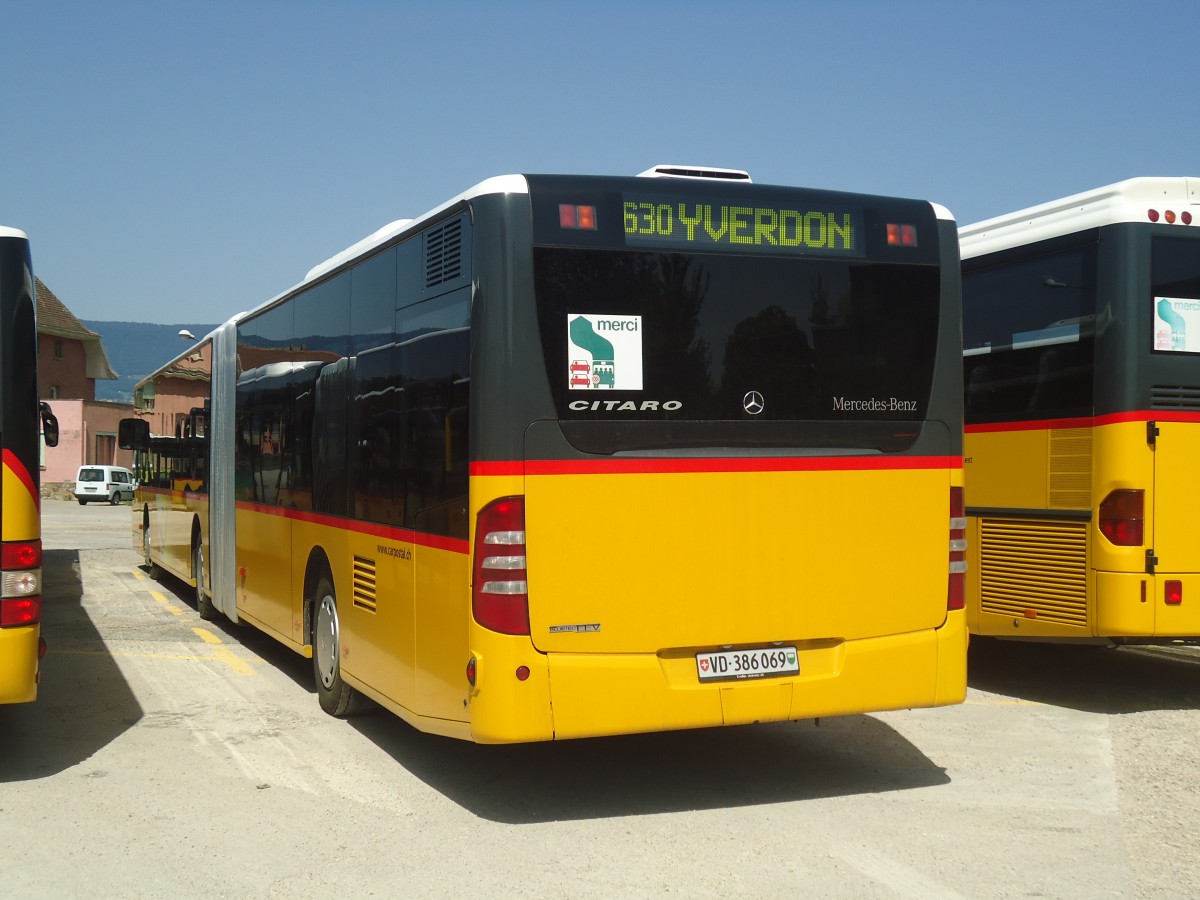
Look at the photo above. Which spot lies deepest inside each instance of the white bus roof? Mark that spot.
(1125, 201)
(7, 232)
(500, 184)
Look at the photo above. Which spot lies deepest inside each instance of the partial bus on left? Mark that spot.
(21, 422)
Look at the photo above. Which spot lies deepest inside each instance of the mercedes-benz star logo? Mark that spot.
(753, 403)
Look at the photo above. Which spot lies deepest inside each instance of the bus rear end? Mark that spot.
(717, 460)
(21, 644)
(1082, 341)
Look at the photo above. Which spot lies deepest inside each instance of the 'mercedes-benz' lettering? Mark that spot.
(874, 404)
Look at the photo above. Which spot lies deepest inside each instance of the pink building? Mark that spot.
(70, 360)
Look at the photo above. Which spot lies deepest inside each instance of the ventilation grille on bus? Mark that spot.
(1034, 570)
(364, 583)
(1175, 396)
(665, 171)
(444, 252)
(1071, 468)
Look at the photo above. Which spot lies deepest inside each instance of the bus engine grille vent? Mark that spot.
(444, 252)
(1070, 481)
(1175, 396)
(364, 583)
(1034, 570)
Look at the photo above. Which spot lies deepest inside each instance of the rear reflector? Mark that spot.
(1174, 593)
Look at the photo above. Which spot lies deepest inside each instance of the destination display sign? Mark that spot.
(704, 224)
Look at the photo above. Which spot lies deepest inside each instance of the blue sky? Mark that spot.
(181, 162)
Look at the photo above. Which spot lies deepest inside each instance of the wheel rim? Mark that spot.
(325, 643)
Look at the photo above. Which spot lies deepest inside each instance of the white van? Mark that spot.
(112, 484)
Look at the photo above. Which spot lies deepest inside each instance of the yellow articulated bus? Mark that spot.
(576, 456)
(22, 417)
(1081, 323)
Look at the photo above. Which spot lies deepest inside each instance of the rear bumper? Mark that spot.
(1134, 605)
(605, 694)
(18, 664)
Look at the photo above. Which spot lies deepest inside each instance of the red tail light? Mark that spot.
(20, 583)
(20, 611)
(956, 590)
(499, 589)
(21, 555)
(1122, 517)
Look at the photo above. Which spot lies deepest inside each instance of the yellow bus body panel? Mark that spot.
(171, 515)
(669, 565)
(264, 579)
(1024, 580)
(1176, 498)
(19, 663)
(390, 585)
(1006, 468)
(872, 634)
(701, 560)
(22, 518)
(575, 695)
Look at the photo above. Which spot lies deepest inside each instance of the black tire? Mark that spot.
(336, 697)
(151, 568)
(82, 502)
(115, 498)
(204, 604)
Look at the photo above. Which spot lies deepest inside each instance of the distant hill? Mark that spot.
(135, 349)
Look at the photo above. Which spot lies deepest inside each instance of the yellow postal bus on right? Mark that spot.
(1081, 337)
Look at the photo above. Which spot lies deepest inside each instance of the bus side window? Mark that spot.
(434, 366)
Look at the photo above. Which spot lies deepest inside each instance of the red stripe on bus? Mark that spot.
(1153, 415)
(14, 465)
(387, 532)
(1140, 415)
(1032, 425)
(725, 464)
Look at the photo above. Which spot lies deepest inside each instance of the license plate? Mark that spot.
(92, 489)
(730, 665)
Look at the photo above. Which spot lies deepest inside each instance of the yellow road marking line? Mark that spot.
(231, 659)
(166, 604)
(221, 655)
(220, 652)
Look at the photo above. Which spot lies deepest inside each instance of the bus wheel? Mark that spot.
(151, 567)
(337, 698)
(204, 604)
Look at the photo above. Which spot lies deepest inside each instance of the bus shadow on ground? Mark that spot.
(648, 774)
(84, 702)
(1109, 680)
(645, 774)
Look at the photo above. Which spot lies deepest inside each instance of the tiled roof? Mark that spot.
(55, 319)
